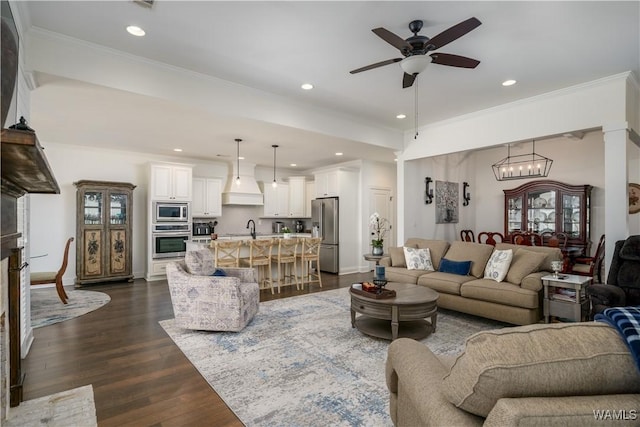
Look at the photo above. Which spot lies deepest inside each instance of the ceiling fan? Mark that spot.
(415, 49)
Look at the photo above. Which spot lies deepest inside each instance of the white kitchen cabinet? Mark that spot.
(297, 199)
(310, 194)
(276, 200)
(327, 184)
(171, 182)
(207, 198)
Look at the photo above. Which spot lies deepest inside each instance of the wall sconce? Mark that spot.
(466, 196)
(428, 192)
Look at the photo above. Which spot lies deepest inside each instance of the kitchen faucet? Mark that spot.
(251, 225)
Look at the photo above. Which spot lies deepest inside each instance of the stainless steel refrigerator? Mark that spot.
(324, 216)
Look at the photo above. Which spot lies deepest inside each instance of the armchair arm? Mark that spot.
(246, 275)
(603, 296)
(385, 261)
(414, 378)
(623, 409)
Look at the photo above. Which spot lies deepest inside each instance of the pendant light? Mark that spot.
(523, 166)
(238, 159)
(274, 184)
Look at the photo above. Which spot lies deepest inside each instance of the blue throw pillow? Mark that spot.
(455, 267)
(219, 272)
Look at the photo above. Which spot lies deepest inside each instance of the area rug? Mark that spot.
(47, 309)
(74, 407)
(300, 363)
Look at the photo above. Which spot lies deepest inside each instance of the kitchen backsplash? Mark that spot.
(234, 220)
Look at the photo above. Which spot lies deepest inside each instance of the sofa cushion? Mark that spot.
(502, 293)
(444, 282)
(397, 257)
(418, 259)
(498, 265)
(461, 268)
(477, 253)
(403, 275)
(552, 254)
(564, 359)
(200, 262)
(524, 262)
(437, 248)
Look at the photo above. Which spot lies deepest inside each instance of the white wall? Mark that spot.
(575, 162)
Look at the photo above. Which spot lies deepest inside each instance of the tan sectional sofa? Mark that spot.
(563, 374)
(516, 300)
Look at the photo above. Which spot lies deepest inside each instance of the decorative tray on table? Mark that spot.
(370, 290)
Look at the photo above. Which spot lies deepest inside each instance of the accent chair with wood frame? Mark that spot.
(46, 277)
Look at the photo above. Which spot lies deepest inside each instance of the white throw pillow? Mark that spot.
(418, 259)
(498, 265)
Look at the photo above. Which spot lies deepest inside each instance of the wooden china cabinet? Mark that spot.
(550, 206)
(103, 231)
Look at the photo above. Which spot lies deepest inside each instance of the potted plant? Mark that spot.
(378, 228)
(286, 232)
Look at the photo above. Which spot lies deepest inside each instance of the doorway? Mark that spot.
(381, 201)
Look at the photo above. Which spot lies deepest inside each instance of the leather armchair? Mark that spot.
(623, 282)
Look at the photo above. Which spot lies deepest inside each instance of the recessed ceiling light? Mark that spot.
(395, 160)
(401, 116)
(307, 86)
(293, 164)
(178, 150)
(240, 157)
(135, 30)
(508, 82)
(338, 154)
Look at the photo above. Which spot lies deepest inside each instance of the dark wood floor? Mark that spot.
(139, 376)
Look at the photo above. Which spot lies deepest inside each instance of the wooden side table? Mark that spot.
(565, 296)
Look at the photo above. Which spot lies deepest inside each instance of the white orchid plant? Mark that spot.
(378, 227)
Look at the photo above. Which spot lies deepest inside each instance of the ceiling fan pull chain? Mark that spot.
(415, 120)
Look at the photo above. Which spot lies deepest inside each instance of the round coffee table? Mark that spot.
(401, 316)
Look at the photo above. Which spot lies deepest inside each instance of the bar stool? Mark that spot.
(286, 260)
(227, 253)
(309, 254)
(260, 258)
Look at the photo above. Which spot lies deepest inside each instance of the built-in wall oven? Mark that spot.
(170, 240)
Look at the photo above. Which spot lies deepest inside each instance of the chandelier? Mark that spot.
(522, 166)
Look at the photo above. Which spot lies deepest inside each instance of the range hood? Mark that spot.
(248, 192)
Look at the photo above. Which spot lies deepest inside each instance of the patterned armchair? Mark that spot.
(212, 303)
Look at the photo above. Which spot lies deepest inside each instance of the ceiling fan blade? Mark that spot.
(376, 65)
(453, 33)
(394, 40)
(408, 79)
(453, 60)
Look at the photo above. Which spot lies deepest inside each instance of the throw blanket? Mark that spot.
(626, 320)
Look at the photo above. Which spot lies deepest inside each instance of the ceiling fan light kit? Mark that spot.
(414, 64)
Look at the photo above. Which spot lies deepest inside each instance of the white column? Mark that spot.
(400, 198)
(616, 197)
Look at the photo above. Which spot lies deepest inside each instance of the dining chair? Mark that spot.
(526, 238)
(590, 266)
(45, 277)
(467, 236)
(489, 237)
(260, 258)
(227, 253)
(308, 255)
(286, 261)
(554, 240)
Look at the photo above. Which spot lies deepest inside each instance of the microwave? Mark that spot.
(170, 212)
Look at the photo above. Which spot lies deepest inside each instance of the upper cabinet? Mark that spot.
(207, 198)
(310, 194)
(276, 200)
(550, 206)
(326, 184)
(297, 201)
(171, 182)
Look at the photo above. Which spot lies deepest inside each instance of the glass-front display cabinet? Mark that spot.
(103, 231)
(550, 206)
